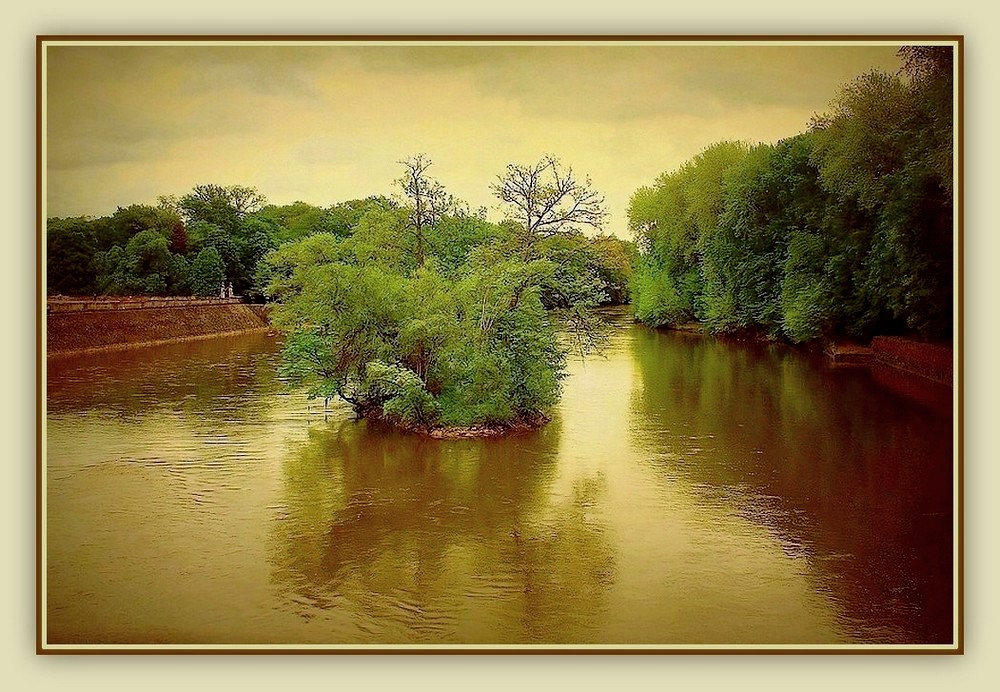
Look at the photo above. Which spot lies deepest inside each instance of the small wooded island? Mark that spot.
(418, 311)
(432, 318)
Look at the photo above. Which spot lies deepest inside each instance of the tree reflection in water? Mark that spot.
(848, 474)
(398, 538)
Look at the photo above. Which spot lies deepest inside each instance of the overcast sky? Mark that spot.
(324, 124)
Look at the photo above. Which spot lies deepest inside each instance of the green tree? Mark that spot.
(680, 274)
(345, 216)
(456, 339)
(887, 145)
(426, 202)
(548, 207)
(612, 259)
(256, 240)
(206, 273)
(144, 267)
(226, 246)
(297, 220)
(126, 222)
(70, 253)
(454, 236)
(221, 206)
(112, 278)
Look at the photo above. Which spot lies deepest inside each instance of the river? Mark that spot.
(688, 491)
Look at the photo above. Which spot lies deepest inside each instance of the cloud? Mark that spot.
(323, 124)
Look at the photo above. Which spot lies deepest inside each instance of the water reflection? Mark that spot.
(397, 538)
(849, 475)
(687, 491)
(223, 380)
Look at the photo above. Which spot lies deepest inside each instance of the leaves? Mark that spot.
(427, 318)
(846, 229)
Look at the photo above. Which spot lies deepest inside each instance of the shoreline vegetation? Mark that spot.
(841, 233)
(438, 321)
(418, 311)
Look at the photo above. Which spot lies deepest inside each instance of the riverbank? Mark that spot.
(107, 324)
(932, 361)
(463, 432)
(455, 432)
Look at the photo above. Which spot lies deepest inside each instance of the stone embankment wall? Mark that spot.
(77, 325)
(933, 361)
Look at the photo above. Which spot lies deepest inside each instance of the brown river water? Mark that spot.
(688, 491)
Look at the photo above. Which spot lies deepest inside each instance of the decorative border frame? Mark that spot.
(957, 41)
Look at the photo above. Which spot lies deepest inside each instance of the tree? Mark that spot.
(380, 238)
(257, 239)
(612, 260)
(549, 208)
(457, 339)
(859, 144)
(454, 236)
(221, 206)
(226, 245)
(206, 273)
(845, 230)
(111, 272)
(297, 220)
(130, 220)
(678, 276)
(666, 280)
(345, 216)
(146, 254)
(547, 199)
(177, 276)
(69, 257)
(144, 267)
(427, 201)
(887, 145)
(178, 238)
(228, 219)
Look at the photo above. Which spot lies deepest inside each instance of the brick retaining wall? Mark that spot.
(933, 361)
(86, 325)
(60, 304)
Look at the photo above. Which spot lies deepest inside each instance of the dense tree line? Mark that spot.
(843, 230)
(191, 244)
(428, 315)
(186, 244)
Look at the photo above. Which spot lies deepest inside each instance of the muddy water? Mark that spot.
(687, 491)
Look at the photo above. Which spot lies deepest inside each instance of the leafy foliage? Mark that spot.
(70, 258)
(846, 229)
(429, 316)
(207, 273)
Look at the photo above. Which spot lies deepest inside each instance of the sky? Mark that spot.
(125, 124)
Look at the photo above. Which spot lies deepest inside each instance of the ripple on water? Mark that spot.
(684, 492)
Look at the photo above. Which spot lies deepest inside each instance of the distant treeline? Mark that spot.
(185, 245)
(190, 245)
(844, 230)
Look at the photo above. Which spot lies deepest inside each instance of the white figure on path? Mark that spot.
(222, 290)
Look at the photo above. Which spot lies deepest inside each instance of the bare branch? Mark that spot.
(428, 200)
(548, 199)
